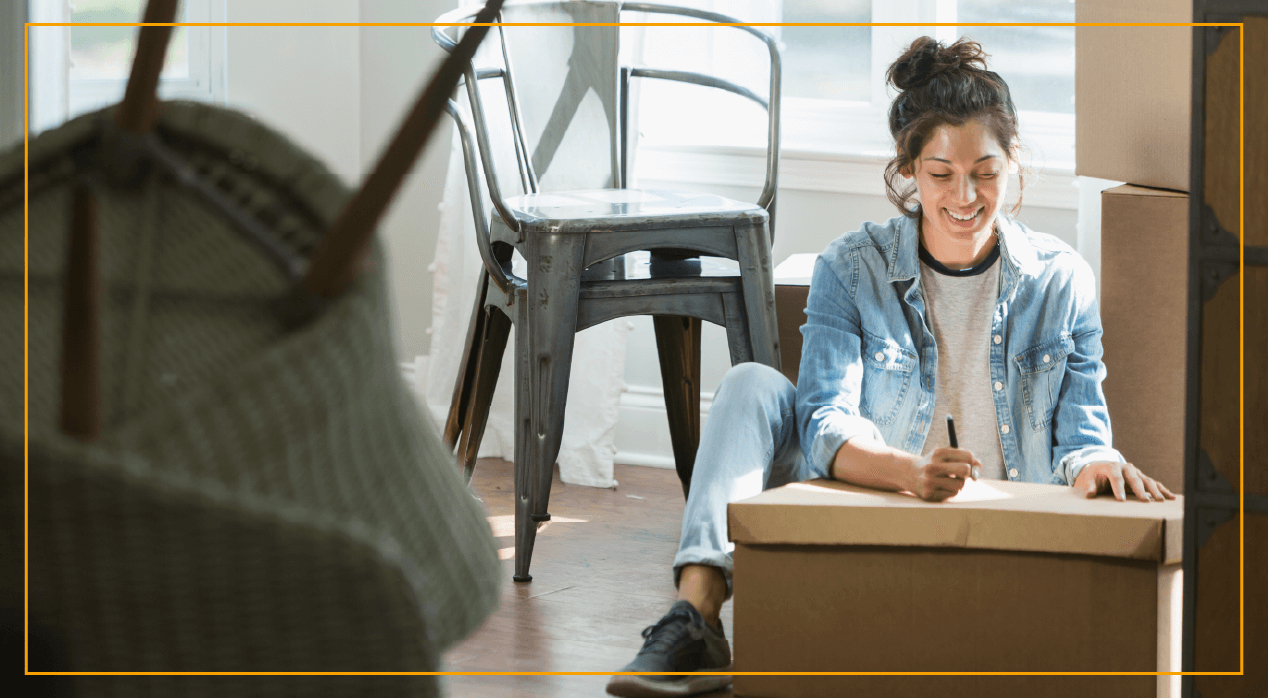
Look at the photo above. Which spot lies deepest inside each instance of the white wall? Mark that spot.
(396, 62)
(303, 81)
(340, 92)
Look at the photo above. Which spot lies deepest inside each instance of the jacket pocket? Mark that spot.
(887, 369)
(1042, 369)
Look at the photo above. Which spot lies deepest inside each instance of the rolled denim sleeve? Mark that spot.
(1081, 423)
(831, 372)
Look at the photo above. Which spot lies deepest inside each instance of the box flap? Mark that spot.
(995, 515)
(1133, 190)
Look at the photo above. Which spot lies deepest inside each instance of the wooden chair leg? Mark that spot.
(458, 404)
(80, 416)
(488, 360)
(678, 344)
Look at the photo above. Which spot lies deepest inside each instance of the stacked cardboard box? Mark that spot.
(1133, 102)
(1144, 311)
(1132, 92)
(792, 286)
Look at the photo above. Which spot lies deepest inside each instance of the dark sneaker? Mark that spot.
(681, 641)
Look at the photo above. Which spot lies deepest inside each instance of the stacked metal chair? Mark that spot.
(594, 249)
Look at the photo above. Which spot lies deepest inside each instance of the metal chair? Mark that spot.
(594, 250)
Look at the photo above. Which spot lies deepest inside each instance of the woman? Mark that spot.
(952, 308)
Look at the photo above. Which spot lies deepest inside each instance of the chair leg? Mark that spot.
(525, 527)
(678, 344)
(554, 276)
(759, 293)
(488, 360)
(738, 336)
(458, 407)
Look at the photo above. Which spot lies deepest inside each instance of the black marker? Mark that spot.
(955, 444)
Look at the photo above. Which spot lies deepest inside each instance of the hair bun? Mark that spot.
(926, 59)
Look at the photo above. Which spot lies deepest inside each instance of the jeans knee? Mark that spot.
(756, 383)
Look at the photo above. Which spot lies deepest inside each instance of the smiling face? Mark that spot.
(962, 177)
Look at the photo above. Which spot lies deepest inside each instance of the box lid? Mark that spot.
(796, 270)
(995, 515)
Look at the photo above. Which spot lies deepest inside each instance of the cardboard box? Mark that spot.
(1005, 577)
(1133, 89)
(792, 285)
(1144, 311)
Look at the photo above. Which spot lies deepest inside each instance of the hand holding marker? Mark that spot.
(954, 444)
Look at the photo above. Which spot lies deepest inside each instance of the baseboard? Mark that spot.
(642, 427)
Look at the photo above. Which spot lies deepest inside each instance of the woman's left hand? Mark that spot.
(1103, 476)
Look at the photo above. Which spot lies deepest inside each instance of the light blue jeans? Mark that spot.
(748, 444)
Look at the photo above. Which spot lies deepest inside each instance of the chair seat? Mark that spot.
(642, 266)
(628, 209)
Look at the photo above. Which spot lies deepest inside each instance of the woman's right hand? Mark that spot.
(941, 473)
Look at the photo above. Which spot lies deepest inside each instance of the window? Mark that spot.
(834, 96)
(78, 69)
(832, 63)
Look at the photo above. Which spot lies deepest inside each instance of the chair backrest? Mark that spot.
(548, 101)
(554, 98)
(566, 85)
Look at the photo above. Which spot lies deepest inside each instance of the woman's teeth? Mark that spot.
(964, 218)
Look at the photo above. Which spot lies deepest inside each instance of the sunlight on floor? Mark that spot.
(504, 525)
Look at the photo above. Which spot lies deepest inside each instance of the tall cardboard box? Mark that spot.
(1132, 92)
(792, 287)
(1144, 311)
(1007, 576)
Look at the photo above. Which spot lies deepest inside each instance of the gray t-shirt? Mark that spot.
(960, 309)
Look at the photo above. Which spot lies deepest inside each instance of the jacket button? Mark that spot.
(998, 339)
(999, 385)
(1046, 358)
(878, 356)
(1004, 429)
(1012, 472)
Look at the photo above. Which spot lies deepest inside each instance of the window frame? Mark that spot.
(56, 96)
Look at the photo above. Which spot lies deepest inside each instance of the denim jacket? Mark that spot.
(869, 361)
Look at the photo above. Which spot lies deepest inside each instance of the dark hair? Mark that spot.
(939, 85)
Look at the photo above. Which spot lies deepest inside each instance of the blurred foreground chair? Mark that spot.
(594, 250)
(218, 480)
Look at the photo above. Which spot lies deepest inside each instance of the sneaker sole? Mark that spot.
(646, 687)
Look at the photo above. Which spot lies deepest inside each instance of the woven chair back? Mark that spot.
(260, 498)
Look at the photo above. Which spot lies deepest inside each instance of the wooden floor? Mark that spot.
(601, 573)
